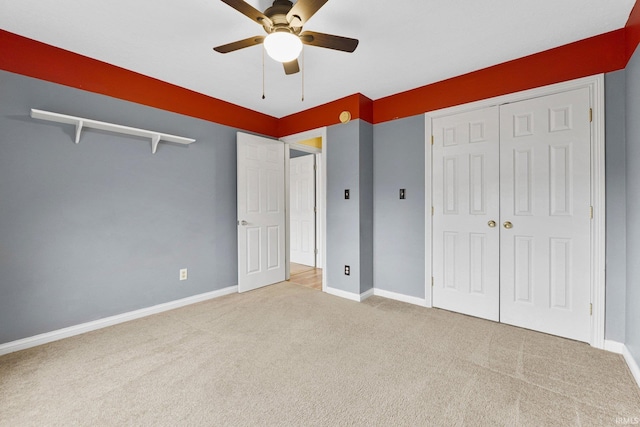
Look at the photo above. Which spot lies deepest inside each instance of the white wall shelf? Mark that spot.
(81, 123)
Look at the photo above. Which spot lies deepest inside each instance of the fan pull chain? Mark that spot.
(263, 97)
(302, 73)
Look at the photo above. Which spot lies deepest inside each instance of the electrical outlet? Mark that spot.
(183, 274)
(347, 270)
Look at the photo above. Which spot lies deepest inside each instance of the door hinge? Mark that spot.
(591, 309)
(590, 115)
(432, 210)
(315, 167)
(315, 251)
(315, 209)
(432, 281)
(591, 212)
(431, 139)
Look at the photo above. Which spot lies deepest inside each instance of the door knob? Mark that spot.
(243, 222)
(491, 223)
(507, 225)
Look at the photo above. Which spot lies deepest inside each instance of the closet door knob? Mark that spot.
(507, 225)
(491, 224)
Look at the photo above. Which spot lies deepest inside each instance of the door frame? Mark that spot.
(596, 90)
(293, 142)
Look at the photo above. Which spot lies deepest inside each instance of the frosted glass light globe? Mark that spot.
(283, 46)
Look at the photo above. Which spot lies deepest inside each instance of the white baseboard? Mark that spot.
(620, 348)
(400, 297)
(342, 294)
(633, 365)
(377, 292)
(82, 328)
(614, 346)
(349, 295)
(367, 294)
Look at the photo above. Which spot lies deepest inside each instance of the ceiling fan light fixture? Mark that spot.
(283, 46)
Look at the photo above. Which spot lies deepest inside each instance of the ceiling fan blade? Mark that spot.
(291, 67)
(329, 41)
(240, 44)
(248, 10)
(303, 10)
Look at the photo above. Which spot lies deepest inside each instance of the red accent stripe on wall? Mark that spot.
(599, 54)
(633, 30)
(327, 114)
(35, 59)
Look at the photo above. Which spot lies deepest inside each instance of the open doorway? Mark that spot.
(305, 208)
(304, 259)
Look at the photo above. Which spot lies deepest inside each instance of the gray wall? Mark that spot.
(366, 206)
(632, 314)
(102, 228)
(616, 250)
(343, 222)
(399, 226)
(349, 230)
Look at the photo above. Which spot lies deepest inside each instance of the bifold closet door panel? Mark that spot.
(545, 214)
(466, 208)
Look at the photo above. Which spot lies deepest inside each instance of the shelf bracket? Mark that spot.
(78, 130)
(155, 139)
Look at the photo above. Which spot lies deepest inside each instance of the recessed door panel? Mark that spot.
(522, 181)
(450, 185)
(273, 247)
(560, 180)
(450, 255)
(253, 250)
(477, 262)
(253, 190)
(560, 277)
(523, 269)
(477, 184)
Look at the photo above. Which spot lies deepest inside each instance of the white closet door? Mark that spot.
(302, 210)
(545, 202)
(466, 208)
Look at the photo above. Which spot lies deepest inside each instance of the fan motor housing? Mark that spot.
(277, 13)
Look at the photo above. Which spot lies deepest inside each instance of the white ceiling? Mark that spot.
(403, 45)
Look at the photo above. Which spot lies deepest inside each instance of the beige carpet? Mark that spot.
(288, 355)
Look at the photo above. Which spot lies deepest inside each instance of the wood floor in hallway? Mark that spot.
(305, 275)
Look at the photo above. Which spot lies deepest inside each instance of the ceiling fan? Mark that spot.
(283, 23)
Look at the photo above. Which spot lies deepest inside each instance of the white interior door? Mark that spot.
(302, 210)
(545, 200)
(261, 212)
(466, 211)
